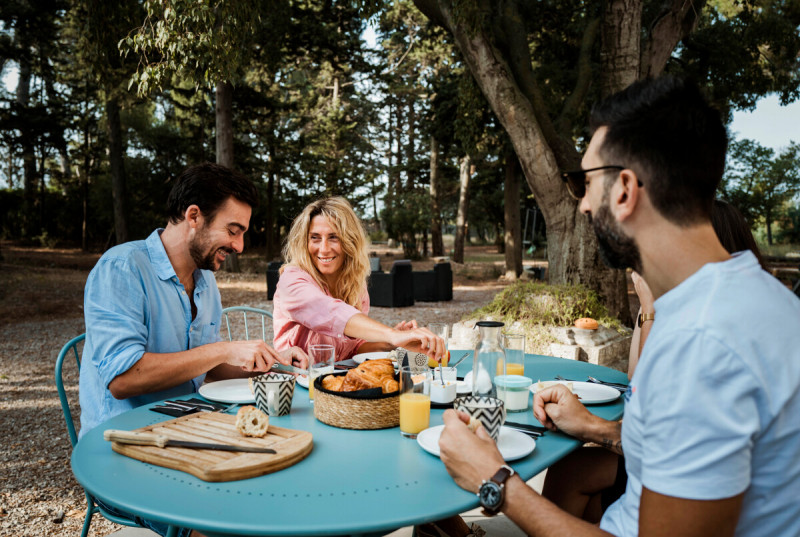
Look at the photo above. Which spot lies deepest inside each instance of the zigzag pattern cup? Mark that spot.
(490, 411)
(274, 392)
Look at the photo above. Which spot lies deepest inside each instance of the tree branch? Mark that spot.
(676, 20)
(583, 81)
(510, 32)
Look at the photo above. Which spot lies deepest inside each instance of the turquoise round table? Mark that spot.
(352, 483)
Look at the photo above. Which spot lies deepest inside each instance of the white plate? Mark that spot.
(228, 391)
(463, 388)
(588, 393)
(302, 380)
(361, 358)
(512, 444)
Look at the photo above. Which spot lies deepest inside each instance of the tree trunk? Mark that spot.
(224, 136)
(437, 244)
(463, 206)
(85, 175)
(60, 141)
(621, 38)
(27, 149)
(411, 118)
(224, 116)
(115, 157)
(572, 248)
(273, 245)
(768, 222)
(513, 229)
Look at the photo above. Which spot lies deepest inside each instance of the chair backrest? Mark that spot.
(244, 317)
(72, 345)
(375, 264)
(91, 503)
(401, 265)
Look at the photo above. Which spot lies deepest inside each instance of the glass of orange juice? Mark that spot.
(441, 330)
(514, 347)
(415, 400)
(320, 362)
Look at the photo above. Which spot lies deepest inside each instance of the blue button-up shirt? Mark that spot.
(133, 304)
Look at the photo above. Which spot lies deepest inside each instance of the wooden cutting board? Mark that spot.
(210, 465)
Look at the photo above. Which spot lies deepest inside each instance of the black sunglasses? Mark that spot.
(576, 180)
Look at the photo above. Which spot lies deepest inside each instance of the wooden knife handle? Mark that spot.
(132, 437)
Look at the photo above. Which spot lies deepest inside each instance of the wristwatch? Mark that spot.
(645, 317)
(492, 493)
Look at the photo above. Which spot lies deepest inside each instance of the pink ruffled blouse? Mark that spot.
(304, 314)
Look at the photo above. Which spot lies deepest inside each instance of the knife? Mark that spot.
(288, 369)
(524, 427)
(159, 440)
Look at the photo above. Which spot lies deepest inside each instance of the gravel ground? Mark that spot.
(41, 310)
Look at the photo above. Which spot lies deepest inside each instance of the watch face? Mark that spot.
(491, 495)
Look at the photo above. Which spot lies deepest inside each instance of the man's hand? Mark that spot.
(557, 408)
(470, 458)
(254, 356)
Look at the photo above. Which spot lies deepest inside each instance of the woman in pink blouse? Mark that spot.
(322, 292)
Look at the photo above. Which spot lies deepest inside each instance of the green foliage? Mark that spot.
(534, 307)
(538, 303)
(205, 41)
(789, 225)
(409, 216)
(744, 50)
(759, 182)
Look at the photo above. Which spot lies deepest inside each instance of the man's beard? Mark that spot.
(202, 257)
(617, 250)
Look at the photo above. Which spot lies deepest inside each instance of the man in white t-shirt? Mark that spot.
(711, 433)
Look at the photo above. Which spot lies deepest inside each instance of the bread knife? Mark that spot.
(159, 440)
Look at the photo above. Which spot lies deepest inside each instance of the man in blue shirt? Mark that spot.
(711, 429)
(152, 307)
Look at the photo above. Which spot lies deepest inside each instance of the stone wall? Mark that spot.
(603, 346)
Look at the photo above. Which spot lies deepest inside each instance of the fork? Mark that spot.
(616, 385)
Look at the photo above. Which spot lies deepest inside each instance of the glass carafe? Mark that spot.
(488, 354)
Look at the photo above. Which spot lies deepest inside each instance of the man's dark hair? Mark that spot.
(208, 186)
(666, 131)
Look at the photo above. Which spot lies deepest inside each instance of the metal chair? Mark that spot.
(91, 505)
(250, 316)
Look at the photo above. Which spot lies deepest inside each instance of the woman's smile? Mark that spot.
(325, 248)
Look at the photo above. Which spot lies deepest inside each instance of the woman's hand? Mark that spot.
(419, 340)
(406, 325)
(643, 292)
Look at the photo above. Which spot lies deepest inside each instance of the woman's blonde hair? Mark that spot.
(355, 268)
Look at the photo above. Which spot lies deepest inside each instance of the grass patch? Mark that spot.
(534, 307)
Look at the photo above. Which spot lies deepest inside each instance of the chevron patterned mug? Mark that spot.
(490, 411)
(274, 393)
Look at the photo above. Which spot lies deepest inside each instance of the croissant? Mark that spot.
(333, 383)
(357, 380)
(370, 374)
(379, 368)
(389, 385)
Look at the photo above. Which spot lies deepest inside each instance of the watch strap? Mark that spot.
(499, 478)
(643, 317)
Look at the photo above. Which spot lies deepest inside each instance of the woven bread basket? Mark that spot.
(346, 411)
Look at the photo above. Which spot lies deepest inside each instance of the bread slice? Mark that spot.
(542, 384)
(250, 421)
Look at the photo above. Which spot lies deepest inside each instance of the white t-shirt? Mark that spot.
(713, 408)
